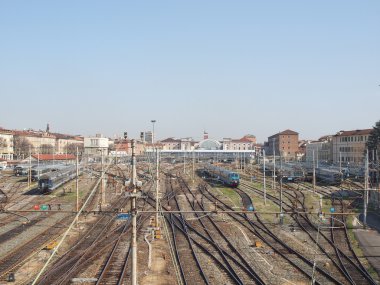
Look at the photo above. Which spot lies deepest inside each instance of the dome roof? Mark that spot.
(209, 144)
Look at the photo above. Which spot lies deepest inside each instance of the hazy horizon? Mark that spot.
(229, 68)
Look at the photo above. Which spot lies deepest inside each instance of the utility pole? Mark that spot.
(77, 185)
(365, 196)
(274, 164)
(38, 164)
(264, 185)
(244, 162)
(193, 166)
(30, 169)
(157, 186)
(184, 162)
(317, 157)
(134, 216)
(313, 173)
(102, 182)
(281, 214)
(153, 121)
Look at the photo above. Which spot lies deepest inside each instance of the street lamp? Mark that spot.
(153, 121)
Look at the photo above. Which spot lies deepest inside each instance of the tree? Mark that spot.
(373, 143)
(72, 148)
(21, 147)
(3, 143)
(46, 149)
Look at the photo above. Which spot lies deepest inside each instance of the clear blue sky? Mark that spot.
(228, 67)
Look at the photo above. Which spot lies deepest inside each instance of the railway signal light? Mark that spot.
(44, 207)
(41, 207)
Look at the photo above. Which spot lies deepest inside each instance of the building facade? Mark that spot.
(349, 146)
(322, 149)
(148, 137)
(96, 145)
(171, 144)
(239, 144)
(6, 144)
(64, 142)
(284, 143)
(33, 142)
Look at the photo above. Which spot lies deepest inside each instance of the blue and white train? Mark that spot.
(53, 179)
(228, 177)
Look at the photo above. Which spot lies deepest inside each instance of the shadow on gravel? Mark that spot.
(373, 221)
(34, 191)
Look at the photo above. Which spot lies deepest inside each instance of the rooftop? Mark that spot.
(54, 157)
(354, 132)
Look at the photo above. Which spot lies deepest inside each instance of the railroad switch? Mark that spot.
(135, 195)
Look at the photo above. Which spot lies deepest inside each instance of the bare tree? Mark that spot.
(46, 149)
(3, 143)
(21, 147)
(72, 148)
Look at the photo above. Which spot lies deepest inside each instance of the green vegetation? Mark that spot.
(231, 194)
(358, 251)
(69, 194)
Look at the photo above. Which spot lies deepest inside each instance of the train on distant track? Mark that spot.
(50, 181)
(228, 177)
(288, 173)
(328, 176)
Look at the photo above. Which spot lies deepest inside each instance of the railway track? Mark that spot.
(20, 254)
(189, 259)
(239, 267)
(357, 273)
(291, 256)
(186, 245)
(341, 261)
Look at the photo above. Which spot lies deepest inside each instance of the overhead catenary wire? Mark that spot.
(69, 228)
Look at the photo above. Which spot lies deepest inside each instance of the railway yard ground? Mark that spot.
(208, 233)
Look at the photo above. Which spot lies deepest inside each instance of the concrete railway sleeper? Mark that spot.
(356, 269)
(256, 229)
(247, 266)
(308, 224)
(193, 252)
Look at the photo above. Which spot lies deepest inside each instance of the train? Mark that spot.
(228, 177)
(50, 181)
(21, 170)
(325, 176)
(38, 171)
(288, 173)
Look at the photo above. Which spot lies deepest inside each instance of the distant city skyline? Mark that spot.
(228, 67)
(197, 137)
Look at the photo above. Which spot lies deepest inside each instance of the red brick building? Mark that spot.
(285, 144)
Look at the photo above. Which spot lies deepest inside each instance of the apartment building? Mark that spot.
(6, 144)
(322, 150)
(284, 143)
(349, 146)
